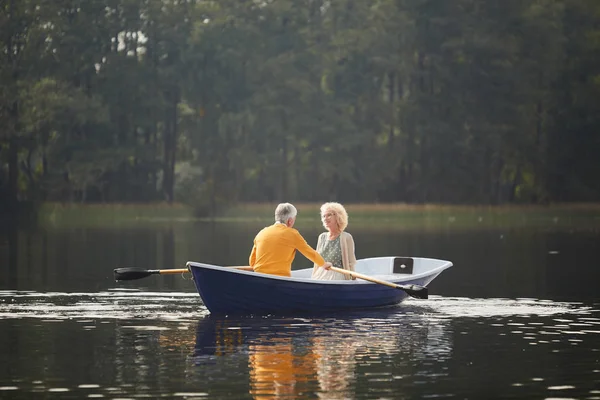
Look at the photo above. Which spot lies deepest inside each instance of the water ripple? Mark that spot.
(167, 306)
(177, 306)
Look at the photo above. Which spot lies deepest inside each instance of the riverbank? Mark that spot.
(392, 214)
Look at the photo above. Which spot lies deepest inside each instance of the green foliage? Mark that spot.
(415, 101)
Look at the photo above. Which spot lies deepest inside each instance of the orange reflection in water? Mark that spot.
(326, 367)
(276, 370)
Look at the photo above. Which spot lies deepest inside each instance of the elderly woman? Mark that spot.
(335, 246)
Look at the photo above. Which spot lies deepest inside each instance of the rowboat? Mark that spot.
(383, 281)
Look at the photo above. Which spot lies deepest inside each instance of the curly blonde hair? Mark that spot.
(341, 216)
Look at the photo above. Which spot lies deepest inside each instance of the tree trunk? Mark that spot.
(283, 189)
(170, 144)
(392, 89)
(13, 143)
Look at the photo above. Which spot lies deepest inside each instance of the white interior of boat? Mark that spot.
(383, 267)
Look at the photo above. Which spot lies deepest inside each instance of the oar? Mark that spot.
(416, 291)
(132, 273)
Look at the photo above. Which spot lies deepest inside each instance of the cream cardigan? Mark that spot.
(348, 257)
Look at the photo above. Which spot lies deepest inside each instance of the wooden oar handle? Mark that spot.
(185, 270)
(419, 292)
(365, 277)
(172, 271)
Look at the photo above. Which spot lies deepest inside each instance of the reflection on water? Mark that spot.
(64, 333)
(276, 370)
(122, 305)
(319, 354)
(129, 344)
(186, 306)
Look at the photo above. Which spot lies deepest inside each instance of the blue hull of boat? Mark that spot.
(226, 291)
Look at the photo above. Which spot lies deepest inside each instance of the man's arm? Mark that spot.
(306, 250)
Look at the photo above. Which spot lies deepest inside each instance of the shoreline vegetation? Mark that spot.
(361, 215)
(218, 102)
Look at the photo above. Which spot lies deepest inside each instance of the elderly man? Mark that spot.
(275, 246)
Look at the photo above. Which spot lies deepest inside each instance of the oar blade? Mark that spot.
(131, 273)
(416, 291)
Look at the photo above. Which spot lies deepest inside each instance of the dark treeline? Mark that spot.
(212, 102)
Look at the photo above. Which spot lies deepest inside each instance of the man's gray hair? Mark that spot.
(285, 211)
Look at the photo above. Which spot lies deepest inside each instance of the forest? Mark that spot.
(212, 103)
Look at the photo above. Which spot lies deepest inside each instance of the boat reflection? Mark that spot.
(319, 356)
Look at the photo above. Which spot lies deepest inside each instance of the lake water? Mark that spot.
(517, 316)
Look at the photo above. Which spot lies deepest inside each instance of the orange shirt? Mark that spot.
(275, 248)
